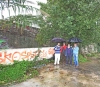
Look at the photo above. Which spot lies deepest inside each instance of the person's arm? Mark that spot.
(61, 48)
(65, 53)
(55, 47)
(71, 51)
(78, 50)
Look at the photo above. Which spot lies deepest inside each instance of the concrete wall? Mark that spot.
(8, 56)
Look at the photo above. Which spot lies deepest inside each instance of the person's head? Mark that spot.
(68, 45)
(64, 43)
(58, 44)
(75, 44)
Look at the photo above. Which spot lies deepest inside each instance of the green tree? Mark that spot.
(70, 18)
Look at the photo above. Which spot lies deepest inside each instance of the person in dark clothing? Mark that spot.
(69, 54)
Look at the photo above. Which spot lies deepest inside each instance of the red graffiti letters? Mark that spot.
(19, 54)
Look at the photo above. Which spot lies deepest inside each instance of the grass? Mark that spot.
(20, 71)
(82, 59)
(95, 55)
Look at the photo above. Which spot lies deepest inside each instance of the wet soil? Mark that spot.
(86, 75)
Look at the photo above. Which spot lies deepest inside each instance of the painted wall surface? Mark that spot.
(8, 56)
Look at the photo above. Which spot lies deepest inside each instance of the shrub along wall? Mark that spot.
(20, 71)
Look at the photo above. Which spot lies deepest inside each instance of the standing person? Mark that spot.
(63, 48)
(75, 54)
(69, 54)
(57, 49)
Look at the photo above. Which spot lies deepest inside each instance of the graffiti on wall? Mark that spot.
(8, 56)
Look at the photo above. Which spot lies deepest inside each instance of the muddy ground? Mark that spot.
(87, 75)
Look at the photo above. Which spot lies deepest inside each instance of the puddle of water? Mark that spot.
(64, 76)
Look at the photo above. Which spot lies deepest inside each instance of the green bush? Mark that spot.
(92, 55)
(20, 71)
(82, 59)
(13, 72)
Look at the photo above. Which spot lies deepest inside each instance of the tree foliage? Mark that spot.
(70, 18)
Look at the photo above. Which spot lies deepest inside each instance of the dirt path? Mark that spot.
(87, 75)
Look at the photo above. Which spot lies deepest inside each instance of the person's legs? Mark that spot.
(76, 59)
(62, 57)
(58, 58)
(55, 59)
(70, 60)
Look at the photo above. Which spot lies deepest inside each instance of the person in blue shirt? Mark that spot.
(75, 54)
(69, 54)
(57, 49)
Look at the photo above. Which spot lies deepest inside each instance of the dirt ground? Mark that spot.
(87, 75)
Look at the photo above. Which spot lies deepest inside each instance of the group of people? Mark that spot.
(70, 53)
